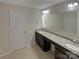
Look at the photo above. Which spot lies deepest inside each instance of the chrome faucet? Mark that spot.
(75, 41)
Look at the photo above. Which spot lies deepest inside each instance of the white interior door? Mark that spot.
(17, 29)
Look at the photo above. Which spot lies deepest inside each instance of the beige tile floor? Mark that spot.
(33, 52)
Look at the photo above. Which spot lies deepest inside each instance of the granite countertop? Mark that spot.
(57, 39)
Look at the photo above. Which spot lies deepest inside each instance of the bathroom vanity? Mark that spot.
(44, 39)
(61, 28)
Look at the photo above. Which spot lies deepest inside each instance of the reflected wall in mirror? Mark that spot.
(66, 21)
(61, 18)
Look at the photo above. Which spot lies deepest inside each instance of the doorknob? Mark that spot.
(25, 31)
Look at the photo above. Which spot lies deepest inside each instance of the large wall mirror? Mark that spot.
(62, 18)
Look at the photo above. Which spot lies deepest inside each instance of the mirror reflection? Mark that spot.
(66, 21)
(61, 18)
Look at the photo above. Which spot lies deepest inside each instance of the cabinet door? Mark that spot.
(39, 39)
(60, 53)
(42, 42)
(47, 44)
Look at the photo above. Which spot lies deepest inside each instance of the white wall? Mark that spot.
(4, 29)
(33, 22)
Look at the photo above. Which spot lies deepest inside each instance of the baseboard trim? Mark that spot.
(29, 45)
(9, 52)
(5, 54)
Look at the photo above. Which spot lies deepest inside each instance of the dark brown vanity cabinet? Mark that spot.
(61, 53)
(43, 42)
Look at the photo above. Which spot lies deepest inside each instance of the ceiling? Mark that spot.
(41, 4)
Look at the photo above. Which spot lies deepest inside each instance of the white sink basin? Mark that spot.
(72, 46)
